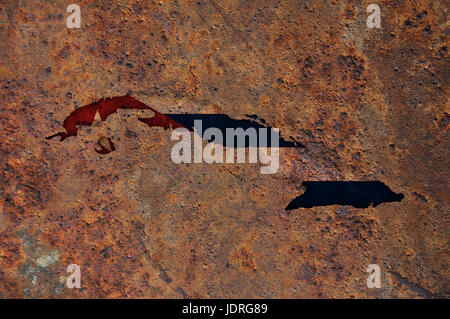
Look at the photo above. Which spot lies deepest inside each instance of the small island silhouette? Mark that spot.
(359, 194)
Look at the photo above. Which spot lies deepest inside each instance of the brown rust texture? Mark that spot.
(368, 104)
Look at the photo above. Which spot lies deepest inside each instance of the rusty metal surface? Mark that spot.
(368, 104)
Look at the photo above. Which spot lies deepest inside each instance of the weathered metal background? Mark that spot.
(369, 104)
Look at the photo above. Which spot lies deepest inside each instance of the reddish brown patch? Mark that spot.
(106, 146)
(105, 107)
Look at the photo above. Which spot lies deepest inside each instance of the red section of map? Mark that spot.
(105, 107)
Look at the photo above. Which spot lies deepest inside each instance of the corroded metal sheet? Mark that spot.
(366, 104)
